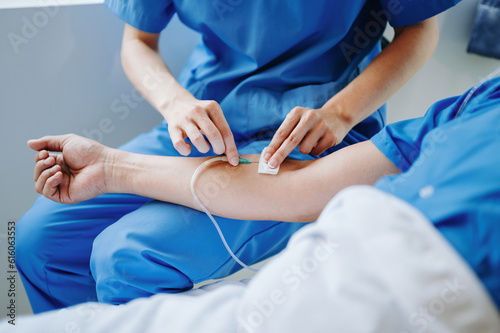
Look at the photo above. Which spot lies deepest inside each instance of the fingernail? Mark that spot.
(273, 163)
(235, 161)
(267, 156)
(48, 161)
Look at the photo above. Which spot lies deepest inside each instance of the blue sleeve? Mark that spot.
(401, 142)
(401, 13)
(146, 15)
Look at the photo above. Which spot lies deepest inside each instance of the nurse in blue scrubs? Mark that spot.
(303, 79)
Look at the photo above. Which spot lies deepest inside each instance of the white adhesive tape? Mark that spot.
(264, 168)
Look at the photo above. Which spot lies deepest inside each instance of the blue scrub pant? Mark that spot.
(118, 247)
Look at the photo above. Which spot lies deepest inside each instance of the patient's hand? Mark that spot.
(78, 174)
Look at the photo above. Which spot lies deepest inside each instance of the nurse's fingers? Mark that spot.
(283, 132)
(46, 174)
(312, 138)
(197, 139)
(290, 143)
(177, 136)
(227, 135)
(42, 165)
(326, 142)
(213, 135)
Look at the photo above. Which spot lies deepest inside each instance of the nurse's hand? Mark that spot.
(313, 130)
(75, 175)
(191, 119)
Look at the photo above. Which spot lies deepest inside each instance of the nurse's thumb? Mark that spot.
(52, 143)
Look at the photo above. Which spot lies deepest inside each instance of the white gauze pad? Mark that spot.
(264, 168)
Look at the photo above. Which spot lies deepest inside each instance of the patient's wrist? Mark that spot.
(115, 171)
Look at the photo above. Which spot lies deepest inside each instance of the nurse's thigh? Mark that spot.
(165, 248)
(53, 247)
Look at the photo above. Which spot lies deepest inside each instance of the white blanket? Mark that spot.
(371, 263)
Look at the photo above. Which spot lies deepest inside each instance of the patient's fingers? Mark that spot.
(42, 154)
(40, 183)
(41, 165)
(50, 189)
(49, 142)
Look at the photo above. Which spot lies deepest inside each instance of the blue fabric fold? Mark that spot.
(485, 37)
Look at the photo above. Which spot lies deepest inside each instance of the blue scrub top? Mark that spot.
(451, 173)
(259, 59)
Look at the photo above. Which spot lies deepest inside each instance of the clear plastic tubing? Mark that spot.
(193, 180)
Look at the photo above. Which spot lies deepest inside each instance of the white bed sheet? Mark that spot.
(371, 263)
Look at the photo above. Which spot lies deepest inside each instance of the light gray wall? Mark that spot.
(450, 71)
(64, 80)
(68, 74)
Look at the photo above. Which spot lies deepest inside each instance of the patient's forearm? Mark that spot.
(297, 194)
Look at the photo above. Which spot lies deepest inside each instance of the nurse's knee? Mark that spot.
(30, 232)
(109, 252)
(32, 237)
(116, 265)
(129, 261)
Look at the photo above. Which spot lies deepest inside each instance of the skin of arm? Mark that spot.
(298, 193)
(315, 130)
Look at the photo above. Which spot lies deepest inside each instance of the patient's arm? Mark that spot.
(297, 194)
